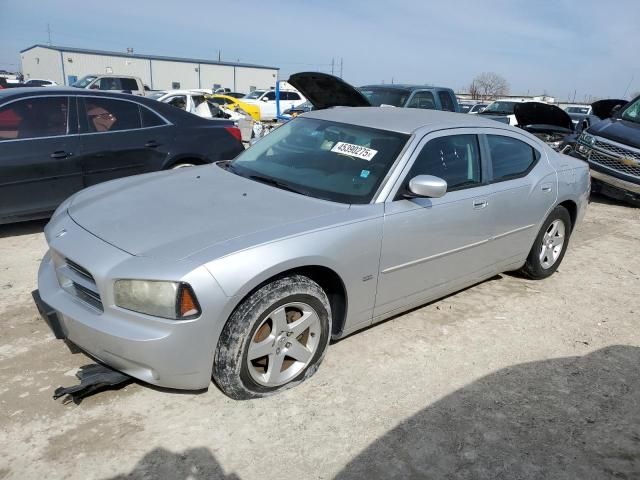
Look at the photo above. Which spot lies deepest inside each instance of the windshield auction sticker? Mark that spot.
(354, 150)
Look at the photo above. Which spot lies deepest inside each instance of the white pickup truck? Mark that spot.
(113, 83)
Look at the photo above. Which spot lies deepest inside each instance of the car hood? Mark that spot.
(326, 91)
(175, 214)
(604, 108)
(621, 131)
(536, 114)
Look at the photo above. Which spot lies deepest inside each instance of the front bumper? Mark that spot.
(616, 182)
(168, 353)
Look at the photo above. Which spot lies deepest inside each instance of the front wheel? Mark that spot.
(275, 339)
(550, 245)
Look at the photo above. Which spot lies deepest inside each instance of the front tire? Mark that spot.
(275, 339)
(550, 245)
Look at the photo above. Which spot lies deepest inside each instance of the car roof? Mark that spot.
(406, 86)
(401, 120)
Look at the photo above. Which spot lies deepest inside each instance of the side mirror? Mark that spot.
(427, 186)
(265, 99)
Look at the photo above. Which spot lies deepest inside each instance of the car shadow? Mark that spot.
(22, 228)
(565, 418)
(601, 198)
(193, 464)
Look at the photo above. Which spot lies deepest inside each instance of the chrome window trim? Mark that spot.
(71, 95)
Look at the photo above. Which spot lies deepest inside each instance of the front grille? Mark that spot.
(78, 269)
(78, 281)
(616, 150)
(614, 163)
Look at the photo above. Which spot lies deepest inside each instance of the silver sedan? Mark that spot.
(244, 270)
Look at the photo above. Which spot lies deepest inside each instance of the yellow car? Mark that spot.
(233, 104)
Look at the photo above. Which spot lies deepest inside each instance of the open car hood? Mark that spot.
(603, 109)
(326, 91)
(536, 115)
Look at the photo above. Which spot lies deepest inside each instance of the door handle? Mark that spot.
(477, 204)
(61, 154)
(152, 144)
(546, 187)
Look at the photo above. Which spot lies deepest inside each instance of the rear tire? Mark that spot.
(275, 339)
(550, 245)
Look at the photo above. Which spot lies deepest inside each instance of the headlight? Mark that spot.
(174, 300)
(587, 139)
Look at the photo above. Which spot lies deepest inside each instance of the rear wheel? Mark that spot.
(550, 245)
(275, 339)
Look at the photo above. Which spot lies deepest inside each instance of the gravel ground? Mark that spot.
(510, 379)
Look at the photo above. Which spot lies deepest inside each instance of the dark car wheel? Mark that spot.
(550, 245)
(275, 339)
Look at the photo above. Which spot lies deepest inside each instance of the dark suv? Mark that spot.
(411, 96)
(612, 148)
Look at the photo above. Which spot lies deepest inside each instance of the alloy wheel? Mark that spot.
(552, 244)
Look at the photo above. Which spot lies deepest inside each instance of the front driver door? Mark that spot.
(432, 246)
(38, 163)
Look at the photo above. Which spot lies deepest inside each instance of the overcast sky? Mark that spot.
(553, 46)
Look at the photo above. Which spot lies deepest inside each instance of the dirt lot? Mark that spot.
(509, 379)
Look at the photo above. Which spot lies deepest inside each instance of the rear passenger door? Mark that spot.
(120, 138)
(38, 155)
(524, 190)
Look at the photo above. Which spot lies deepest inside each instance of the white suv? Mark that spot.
(267, 101)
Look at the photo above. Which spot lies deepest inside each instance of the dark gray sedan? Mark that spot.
(57, 141)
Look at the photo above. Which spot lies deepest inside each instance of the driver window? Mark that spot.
(179, 102)
(454, 158)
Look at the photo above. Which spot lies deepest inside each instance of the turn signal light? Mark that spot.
(187, 305)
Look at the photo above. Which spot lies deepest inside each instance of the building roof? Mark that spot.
(146, 57)
(403, 120)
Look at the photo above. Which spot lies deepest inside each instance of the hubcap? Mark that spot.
(284, 344)
(552, 244)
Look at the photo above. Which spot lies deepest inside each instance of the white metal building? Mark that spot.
(65, 65)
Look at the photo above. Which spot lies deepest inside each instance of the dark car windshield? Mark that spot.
(632, 112)
(386, 96)
(333, 161)
(500, 107)
(84, 81)
(465, 107)
(254, 95)
(580, 110)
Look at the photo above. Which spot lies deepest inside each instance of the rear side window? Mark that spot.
(454, 158)
(447, 103)
(110, 115)
(289, 96)
(34, 118)
(129, 84)
(511, 158)
(150, 119)
(422, 100)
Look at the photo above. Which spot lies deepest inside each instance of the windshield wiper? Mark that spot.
(275, 183)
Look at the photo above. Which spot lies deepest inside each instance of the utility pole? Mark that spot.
(219, 54)
(49, 34)
(341, 67)
(332, 59)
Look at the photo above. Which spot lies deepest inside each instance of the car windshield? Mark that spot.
(500, 107)
(377, 96)
(323, 159)
(632, 112)
(464, 108)
(581, 110)
(84, 81)
(254, 95)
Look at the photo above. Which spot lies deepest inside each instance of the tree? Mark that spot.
(488, 85)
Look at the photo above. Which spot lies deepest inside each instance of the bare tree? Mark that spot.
(488, 85)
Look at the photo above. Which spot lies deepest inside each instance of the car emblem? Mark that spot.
(632, 162)
(61, 233)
